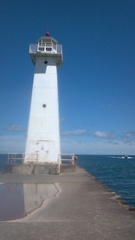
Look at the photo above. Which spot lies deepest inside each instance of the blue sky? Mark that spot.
(96, 81)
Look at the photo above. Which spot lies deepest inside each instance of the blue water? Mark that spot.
(3, 161)
(114, 171)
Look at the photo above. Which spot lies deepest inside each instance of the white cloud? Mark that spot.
(76, 132)
(107, 135)
(62, 119)
(12, 143)
(129, 137)
(113, 142)
(100, 142)
(129, 133)
(93, 147)
(14, 128)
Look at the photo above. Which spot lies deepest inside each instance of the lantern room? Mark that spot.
(46, 45)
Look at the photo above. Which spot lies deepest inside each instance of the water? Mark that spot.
(116, 172)
(3, 161)
(19, 199)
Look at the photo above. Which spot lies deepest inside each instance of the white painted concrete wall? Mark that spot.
(43, 138)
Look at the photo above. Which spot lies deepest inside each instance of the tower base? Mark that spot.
(40, 168)
(32, 168)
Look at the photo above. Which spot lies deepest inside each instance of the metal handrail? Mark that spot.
(15, 157)
(34, 48)
(71, 159)
(19, 158)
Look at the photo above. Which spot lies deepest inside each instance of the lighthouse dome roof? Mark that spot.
(47, 38)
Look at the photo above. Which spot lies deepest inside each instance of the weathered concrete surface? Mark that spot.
(31, 168)
(82, 209)
(39, 168)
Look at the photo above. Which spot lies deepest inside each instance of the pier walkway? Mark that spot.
(82, 209)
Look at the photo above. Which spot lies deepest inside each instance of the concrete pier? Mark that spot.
(81, 209)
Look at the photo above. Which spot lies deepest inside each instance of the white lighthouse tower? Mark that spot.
(43, 137)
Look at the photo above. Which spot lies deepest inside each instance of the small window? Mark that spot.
(41, 48)
(44, 105)
(48, 49)
(48, 44)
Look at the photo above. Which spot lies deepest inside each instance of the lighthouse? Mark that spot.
(43, 136)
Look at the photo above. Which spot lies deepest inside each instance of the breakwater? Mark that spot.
(114, 171)
(83, 208)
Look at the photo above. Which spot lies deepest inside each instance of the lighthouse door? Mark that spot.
(45, 152)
